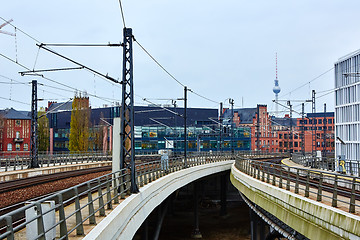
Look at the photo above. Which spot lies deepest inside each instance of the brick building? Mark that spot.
(273, 134)
(14, 132)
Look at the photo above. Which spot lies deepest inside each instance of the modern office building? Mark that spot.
(155, 128)
(347, 107)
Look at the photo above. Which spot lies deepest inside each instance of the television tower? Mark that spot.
(276, 89)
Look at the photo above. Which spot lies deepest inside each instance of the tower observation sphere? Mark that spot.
(276, 88)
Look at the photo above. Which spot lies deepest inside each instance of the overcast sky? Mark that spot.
(219, 49)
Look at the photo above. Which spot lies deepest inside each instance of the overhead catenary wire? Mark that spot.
(79, 64)
(172, 76)
(54, 81)
(122, 13)
(197, 94)
(9, 99)
(305, 84)
(18, 29)
(49, 79)
(166, 71)
(28, 84)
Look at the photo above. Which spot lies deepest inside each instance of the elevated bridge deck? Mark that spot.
(311, 203)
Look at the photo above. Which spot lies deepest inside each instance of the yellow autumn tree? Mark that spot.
(79, 125)
(43, 131)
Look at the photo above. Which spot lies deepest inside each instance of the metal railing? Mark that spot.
(92, 198)
(333, 187)
(12, 163)
(345, 166)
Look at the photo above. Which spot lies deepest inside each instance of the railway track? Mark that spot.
(313, 181)
(31, 181)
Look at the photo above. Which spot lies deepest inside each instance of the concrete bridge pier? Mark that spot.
(223, 189)
(196, 233)
(162, 209)
(258, 228)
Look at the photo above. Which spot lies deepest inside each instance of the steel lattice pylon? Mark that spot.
(33, 141)
(127, 148)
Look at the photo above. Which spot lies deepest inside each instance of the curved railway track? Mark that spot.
(313, 181)
(31, 181)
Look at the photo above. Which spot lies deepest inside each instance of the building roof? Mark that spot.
(11, 113)
(283, 121)
(60, 107)
(246, 115)
(320, 114)
(144, 116)
(347, 56)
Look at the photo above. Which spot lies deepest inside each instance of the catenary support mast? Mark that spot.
(127, 141)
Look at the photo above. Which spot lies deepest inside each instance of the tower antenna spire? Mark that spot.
(276, 66)
(276, 88)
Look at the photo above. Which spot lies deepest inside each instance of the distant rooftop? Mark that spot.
(11, 113)
(246, 115)
(357, 52)
(60, 107)
(320, 114)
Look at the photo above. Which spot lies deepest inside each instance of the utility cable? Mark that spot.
(122, 13)
(49, 79)
(9, 99)
(158, 63)
(54, 81)
(172, 76)
(203, 96)
(308, 82)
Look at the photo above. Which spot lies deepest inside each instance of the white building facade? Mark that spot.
(347, 107)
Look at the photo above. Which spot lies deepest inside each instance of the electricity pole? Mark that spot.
(303, 128)
(185, 130)
(313, 124)
(257, 132)
(231, 101)
(324, 131)
(173, 102)
(220, 127)
(33, 141)
(127, 148)
(291, 132)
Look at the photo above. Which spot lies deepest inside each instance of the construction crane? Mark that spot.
(3, 25)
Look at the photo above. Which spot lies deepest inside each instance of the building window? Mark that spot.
(17, 123)
(9, 147)
(17, 134)
(17, 147)
(320, 121)
(26, 147)
(296, 144)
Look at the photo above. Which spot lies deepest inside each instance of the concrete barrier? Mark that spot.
(19, 174)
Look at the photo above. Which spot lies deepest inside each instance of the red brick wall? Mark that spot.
(9, 129)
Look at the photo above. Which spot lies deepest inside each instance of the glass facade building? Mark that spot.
(156, 128)
(205, 138)
(347, 106)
